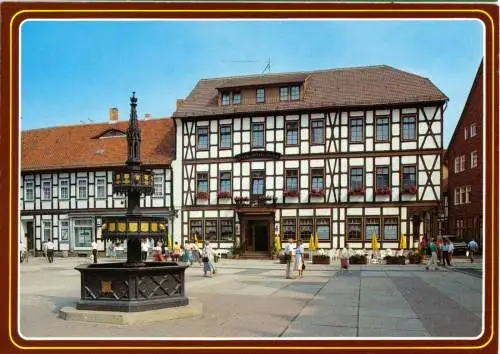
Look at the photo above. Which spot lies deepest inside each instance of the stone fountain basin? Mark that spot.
(125, 288)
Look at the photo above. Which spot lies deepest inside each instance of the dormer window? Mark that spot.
(261, 94)
(225, 99)
(283, 93)
(236, 98)
(295, 93)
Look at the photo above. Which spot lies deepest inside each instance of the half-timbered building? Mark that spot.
(66, 179)
(343, 153)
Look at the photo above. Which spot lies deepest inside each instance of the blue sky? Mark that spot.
(74, 71)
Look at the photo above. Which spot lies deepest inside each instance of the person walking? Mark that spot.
(445, 252)
(207, 255)
(432, 262)
(176, 252)
(288, 259)
(158, 253)
(299, 258)
(50, 250)
(94, 251)
(451, 248)
(144, 250)
(472, 249)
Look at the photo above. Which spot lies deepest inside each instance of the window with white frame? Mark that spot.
(261, 95)
(100, 188)
(295, 93)
(64, 189)
(46, 190)
(468, 191)
(283, 93)
(382, 129)
(226, 97)
(473, 130)
(391, 229)
(29, 191)
(46, 230)
(158, 185)
(466, 133)
(236, 98)
(372, 226)
(462, 195)
(409, 128)
(64, 230)
(473, 159)
(462, 163)
(82, 188)
(323, 229)
(457, 196)
(84, 232)
(457, 164)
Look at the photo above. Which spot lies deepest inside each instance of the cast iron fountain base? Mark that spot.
(118, 287)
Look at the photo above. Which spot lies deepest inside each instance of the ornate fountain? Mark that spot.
(133, 285)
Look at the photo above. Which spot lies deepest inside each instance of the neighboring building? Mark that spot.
(465, 157)
(66, 179)
(344, 153)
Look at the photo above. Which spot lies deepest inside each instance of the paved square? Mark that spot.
(252, 299)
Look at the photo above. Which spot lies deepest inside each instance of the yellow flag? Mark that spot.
(312, 246)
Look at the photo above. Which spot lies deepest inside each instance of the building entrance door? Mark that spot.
(258, 235)
(29, 236)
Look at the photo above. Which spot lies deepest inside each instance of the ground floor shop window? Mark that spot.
(83, 232)
(211, 230)
(323, 229)
(372, 225)
(390, 229)
(195, 229)
(64, 229)
(306, 229)
(226, 230)
(354, 230)
(290, 229)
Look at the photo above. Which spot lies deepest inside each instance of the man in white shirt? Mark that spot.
(288, 258)
(94, 250)
(50, 250)
(144, 250)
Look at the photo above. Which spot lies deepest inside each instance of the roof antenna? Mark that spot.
(268, 66)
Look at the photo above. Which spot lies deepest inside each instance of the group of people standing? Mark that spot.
(442, 250)
(297, 254)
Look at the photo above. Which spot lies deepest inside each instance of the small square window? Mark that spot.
(261, 95)
(283, 93)
(236, 98)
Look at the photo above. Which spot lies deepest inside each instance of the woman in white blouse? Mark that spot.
(299, 258)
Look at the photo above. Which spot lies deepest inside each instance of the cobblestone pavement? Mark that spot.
(252, 299)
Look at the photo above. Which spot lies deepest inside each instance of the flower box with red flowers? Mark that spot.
(317, 193)
(357, 191)
(410, 190)
(291, 194)
(202, 195)
(383, 191)
(224, 195)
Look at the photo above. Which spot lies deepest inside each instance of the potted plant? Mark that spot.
(358, 259)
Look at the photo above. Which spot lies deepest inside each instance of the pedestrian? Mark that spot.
(177, 252)
(472, 246)
(444, 251)
(195, 253)
(299, 258)
(50, 250)
(432, 262)
(144, 250)
(206, 257)
(94, 250)
(344, 259)
(158, 255)
(439, 245)
(451, 248)
(288, 258)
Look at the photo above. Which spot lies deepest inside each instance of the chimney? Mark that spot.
(178, 103)
(147, 116)
(113, 115)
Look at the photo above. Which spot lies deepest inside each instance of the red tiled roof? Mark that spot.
(364, 86)
(78, 146)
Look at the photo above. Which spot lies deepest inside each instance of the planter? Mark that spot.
(320, 260)
(317, 193)
(356, 259)
(291, 194)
